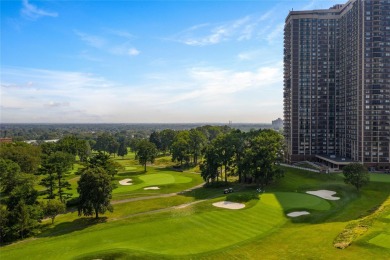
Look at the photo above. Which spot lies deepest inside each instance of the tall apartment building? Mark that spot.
(337, 84)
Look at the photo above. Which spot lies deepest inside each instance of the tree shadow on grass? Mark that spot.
(351, 206)
(71, 226)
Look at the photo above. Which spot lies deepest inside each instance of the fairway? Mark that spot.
(382, 240)
(189, 226)
(181, 233)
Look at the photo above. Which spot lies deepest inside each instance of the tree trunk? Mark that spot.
(59, 189)
(225, 174)
(145, 167)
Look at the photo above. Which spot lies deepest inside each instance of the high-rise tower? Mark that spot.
(337, 84)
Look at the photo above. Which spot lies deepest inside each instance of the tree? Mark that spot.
(9, 175)
(113, 147)
(167, 137)
(197, 141)
(56, 165)
(356, 174)
(224, 148)
(27, 156)
(181, 147)
(122, 150)
(4, 227)
(155, 138)
(262, 156)
(238, 141)
(24, 211)
(52, 208)
(84, 150)
(146, 152)
(95, 192)
(103, 161)
(210, 165)
(105, 143)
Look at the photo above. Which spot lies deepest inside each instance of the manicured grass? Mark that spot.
(150, 229)
(290, 201)
(379, 177)
(177, 232)
(382, 240)
(167, 180)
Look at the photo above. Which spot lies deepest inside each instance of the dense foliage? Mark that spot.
(356, 174)
(95, 192)
(253, 156)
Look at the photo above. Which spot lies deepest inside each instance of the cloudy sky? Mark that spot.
(143, 61)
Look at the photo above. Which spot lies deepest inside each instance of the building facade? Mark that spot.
(337, 84)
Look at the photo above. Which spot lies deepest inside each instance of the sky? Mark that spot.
(143, 61)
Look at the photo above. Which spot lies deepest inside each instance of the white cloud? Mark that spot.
(133, 52)
(202, 94)
(92, 40)
(32, 12)
(276, 34)
(103, 44)
(209, 34)
(245, 28)
(57, 104)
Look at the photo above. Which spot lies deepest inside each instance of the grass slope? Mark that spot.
(145, 230)
(177, 233)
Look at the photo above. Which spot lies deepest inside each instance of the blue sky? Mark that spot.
(143, 61)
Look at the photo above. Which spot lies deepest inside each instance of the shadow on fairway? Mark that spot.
(69, 227)
(120, 253)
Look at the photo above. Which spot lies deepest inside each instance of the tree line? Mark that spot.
(219, 150)
(23, 165)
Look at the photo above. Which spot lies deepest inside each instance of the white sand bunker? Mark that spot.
(126, 182)
(229, 205)
(325, 194)
(297, 213)
(151, 188)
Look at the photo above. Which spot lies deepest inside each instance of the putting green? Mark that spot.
(379, 177)
(293, 200)
(130, 168)
(156, 179)
(382, 240)
(175, 235)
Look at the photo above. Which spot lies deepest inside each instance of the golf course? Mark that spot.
(165, 214)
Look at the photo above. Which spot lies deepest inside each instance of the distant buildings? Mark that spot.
(277, 124)
(5, 140)
(337, 84)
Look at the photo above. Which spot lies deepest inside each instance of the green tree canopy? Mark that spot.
(27, 156)
(101, 160)
(146, 152)
(56, 166)
(95, 192)
(181, 147)
(356, 174)
(52, 208)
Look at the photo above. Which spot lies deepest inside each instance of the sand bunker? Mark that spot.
(297, 213)
(126, 182)
(229, 205)
(151, 188)
(325, 194)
